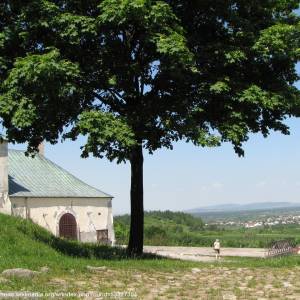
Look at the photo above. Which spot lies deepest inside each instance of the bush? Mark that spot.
(71, 247)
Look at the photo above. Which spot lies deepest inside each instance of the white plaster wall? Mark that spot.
(91, 214)
(4, 199)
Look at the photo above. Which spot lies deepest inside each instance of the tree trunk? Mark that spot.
(136, 238)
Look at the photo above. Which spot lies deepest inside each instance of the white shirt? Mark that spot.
(217, 245)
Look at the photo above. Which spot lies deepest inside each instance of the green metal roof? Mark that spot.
(40, 177)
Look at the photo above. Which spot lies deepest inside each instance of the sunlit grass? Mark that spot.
(26, 245)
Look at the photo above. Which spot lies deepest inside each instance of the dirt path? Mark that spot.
(202, 253)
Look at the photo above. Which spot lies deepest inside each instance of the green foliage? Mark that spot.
(181, 229)
(281, 40)
(26, 245)
(219, 87)
(33, 90)
(161, 227)
(106, 134)
(21, 237)
(204, 72)
(132, 74)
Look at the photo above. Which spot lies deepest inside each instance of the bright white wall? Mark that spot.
(91, 214)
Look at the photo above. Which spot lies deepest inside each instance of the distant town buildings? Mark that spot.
(259, 222)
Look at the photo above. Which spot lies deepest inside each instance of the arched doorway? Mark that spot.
(68, 226)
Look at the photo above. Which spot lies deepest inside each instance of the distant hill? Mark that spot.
(167, 228)
(243, 207)
(161, 227)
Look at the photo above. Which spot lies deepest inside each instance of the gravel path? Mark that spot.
(202, 253)
(218, 283)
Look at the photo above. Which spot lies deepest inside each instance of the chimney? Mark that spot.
(41, 149)
(3, 169)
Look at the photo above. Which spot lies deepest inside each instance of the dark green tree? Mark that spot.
(141, 74)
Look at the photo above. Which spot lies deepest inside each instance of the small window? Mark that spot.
(102, 236)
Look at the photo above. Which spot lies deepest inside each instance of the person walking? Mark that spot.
(217, 248)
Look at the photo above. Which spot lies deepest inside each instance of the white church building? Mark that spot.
(39, 190)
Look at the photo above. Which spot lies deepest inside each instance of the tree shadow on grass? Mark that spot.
(75, 248)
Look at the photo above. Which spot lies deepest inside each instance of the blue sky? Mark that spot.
(189, 177)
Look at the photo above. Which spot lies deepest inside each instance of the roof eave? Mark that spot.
(64, 196)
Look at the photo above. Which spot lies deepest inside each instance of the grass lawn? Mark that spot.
(181, 229)
(26, 245)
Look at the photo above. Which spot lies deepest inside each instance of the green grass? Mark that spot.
(26, 245)
(181, 229)
(289, 261)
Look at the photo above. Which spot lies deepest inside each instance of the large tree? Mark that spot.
(141, 74)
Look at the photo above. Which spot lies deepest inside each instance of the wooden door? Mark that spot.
(68, 227)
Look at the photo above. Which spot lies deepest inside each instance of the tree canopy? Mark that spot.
(153, 71)
(145, 73)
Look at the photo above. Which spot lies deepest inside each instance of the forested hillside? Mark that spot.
(161, 227)
(180, 229)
